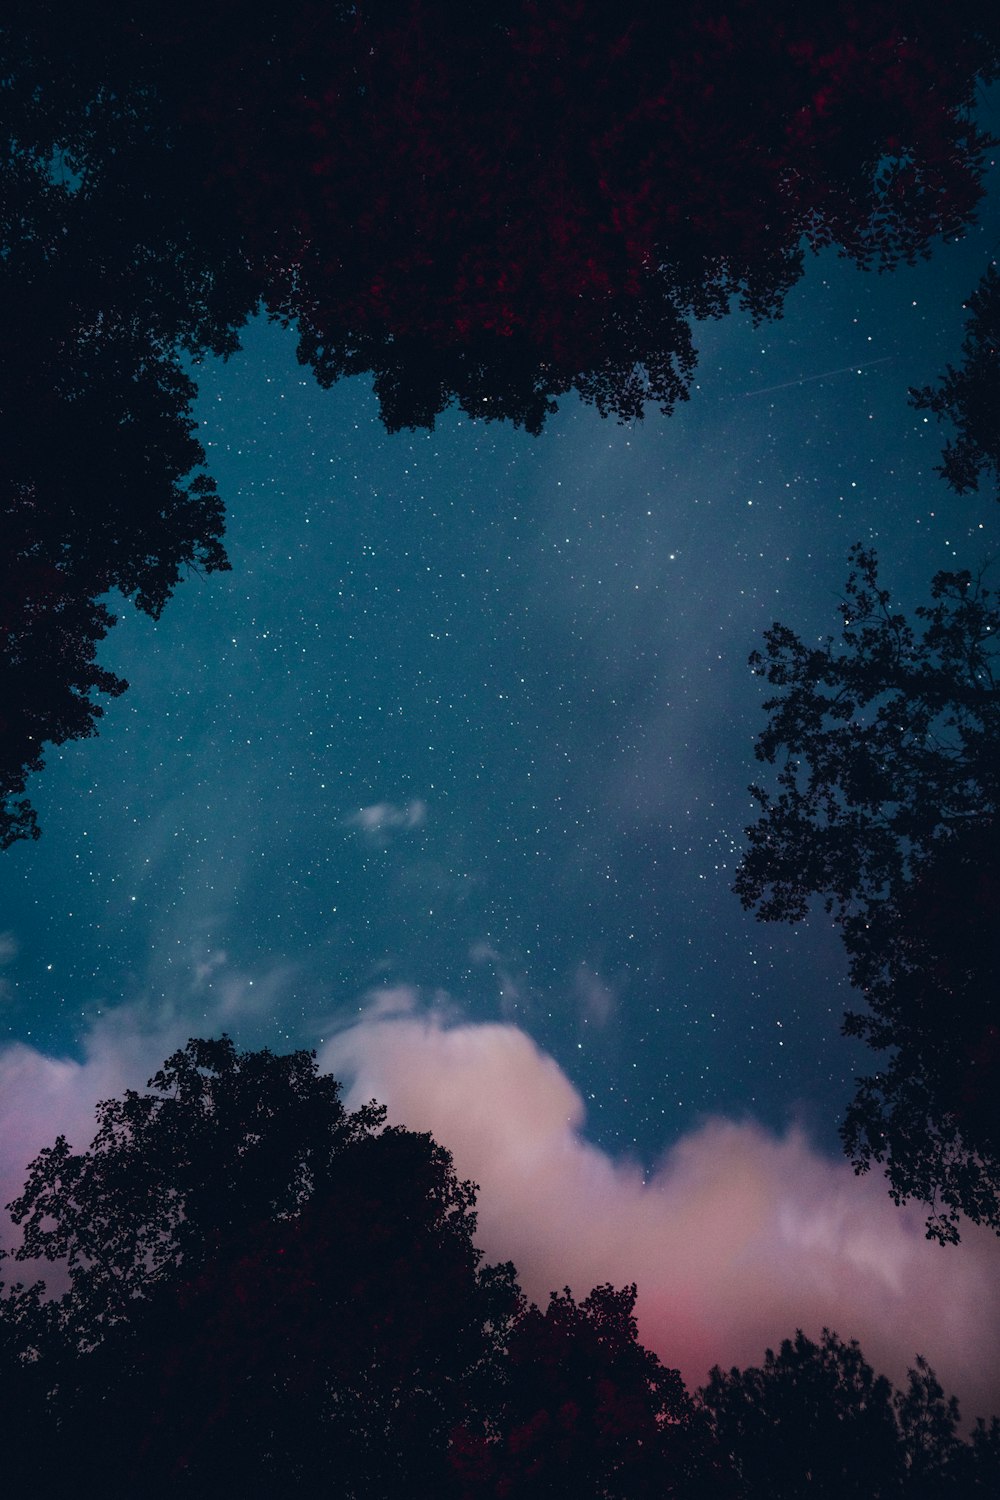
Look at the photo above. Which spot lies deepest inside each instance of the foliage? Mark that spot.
(265, 1295)
(498, 207)
(815, 1421)
(248, 1262)
(224, 1142)
(889, 782)
(586, 1410)
(969, 397)
(99, 474)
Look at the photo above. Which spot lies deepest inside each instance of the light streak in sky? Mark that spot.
(825, 375)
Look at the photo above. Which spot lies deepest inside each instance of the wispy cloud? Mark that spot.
(8, 952)
(382, 817)
(596, 998)
(513, 995)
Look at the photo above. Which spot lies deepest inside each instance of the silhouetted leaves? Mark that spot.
(99, 475)
(586, 1410)
(264, 1288)
(268, 1296)
(969, 397)
(815, 1422)
(887, 743)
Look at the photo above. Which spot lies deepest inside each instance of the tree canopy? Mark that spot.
(968, 398)
(247, 1262)
(266, 1295)
(496, 207)
(102, 485)
(815, 1422)
(584, 1410)
(887, 743)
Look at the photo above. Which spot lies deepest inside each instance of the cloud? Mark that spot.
(42, 1096)
(736, 1240)
(596, 999)
(381, 817)
(513, 997)
(8, 952)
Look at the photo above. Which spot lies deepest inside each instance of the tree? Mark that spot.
(816, 1421)
(585, 1410)
(265, 1295)
(223, 1141)
(266, 1291)
(337, 1349)
(969, 397)
(888, 747)
(498, 207)
(101, 485)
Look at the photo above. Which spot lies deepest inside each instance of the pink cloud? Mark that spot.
(42, 1096)
(739, 1237)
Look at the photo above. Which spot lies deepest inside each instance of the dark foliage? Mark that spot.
(100, 474)
(816, 1422)
(268, 1296)
(222, 1142)
(929, 966)
(499, 206)
(586, 1410)
(813, 1420)
(888, 747)
(969, 397)
(263, 1290)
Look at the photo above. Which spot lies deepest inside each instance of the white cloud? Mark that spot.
(381, 817)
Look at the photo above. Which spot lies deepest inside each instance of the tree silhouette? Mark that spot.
(813, 1420)
(100, 474)
(498, 207)
(888, 747)
(969, 397)
(585, 1410)
(263, 1289)
(266, 1295)
(816, 1422)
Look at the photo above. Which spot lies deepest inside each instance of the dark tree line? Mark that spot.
(887, 743)
(482, 207)
(268, 1296)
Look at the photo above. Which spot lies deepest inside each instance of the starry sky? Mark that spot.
(460, 749)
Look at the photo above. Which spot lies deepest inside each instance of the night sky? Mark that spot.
(457, 756)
